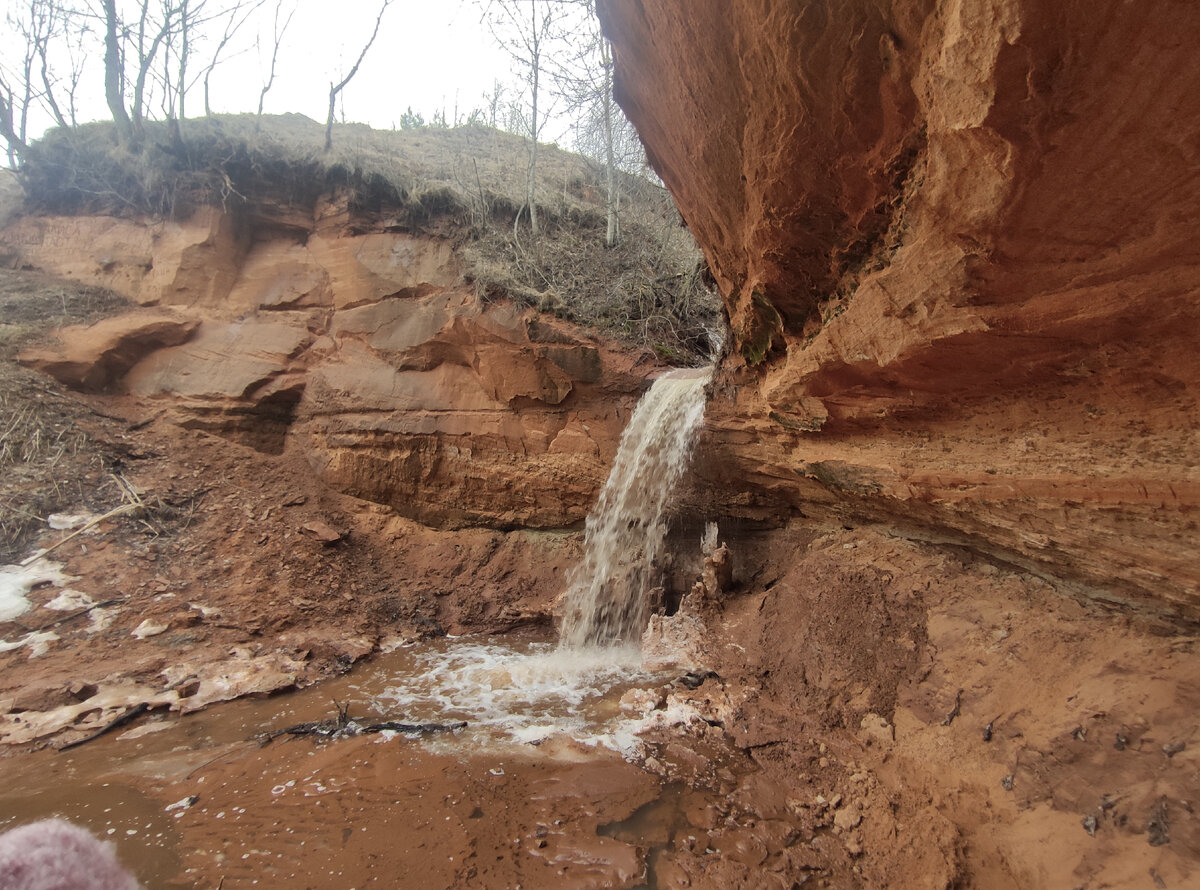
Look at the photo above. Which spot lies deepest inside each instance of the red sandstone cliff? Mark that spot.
(957, 243)
(958, 247)
(364, 350)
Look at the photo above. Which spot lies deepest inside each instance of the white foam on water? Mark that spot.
(520, 694)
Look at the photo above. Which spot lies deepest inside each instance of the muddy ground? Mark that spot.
(881, 712)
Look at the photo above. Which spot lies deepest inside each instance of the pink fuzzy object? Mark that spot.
(56, 855)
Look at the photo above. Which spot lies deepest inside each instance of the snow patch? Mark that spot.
(17, 581)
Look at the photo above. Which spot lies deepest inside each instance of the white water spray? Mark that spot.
(606, 603)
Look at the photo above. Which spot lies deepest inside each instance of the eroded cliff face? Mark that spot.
(958, 250)
(953, 444)
(361, 348)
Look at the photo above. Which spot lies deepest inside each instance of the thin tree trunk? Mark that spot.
(16, 145)
(530, 192)
(113, 75)
(329, 117)
(334, 89)
(610, 237)
(183, 54)
(279, 32)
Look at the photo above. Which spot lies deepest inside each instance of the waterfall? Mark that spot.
(606, 602)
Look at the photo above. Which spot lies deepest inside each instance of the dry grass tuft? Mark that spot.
(48, 462)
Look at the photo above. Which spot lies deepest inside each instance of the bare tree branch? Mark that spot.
(279, 32)
(238, 15)
(334, 90)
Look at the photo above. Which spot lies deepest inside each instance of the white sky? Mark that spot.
(430, 54)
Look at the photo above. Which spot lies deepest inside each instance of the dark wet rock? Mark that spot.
(1157, 825)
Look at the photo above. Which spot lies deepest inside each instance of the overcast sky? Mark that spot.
(430, 54)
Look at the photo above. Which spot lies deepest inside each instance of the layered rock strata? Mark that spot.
(953, 444)
(366, 351)
(958, 250)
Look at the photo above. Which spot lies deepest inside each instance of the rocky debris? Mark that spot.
(681, 639)
(783, 702)
(323, 532)
(847, 817)
(876, 730)
(1158, 826)
(675, 641)
(641, 701)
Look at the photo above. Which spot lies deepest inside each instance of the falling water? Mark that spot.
(607, 603)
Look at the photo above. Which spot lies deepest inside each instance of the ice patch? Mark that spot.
(70, 601)
(149, 628)
(17, 581)
(38, 643)
(64, 521)
(101, 619)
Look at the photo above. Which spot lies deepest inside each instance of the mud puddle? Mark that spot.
(201, 801)
(655, 827)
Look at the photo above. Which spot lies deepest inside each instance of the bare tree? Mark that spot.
(584, 79)
(33, 22)
(493, 102)
(526, 29)
(130, 51)
(335, 89)
(18, 91)
(49, 26)
(152, 50)
(114, 72)
(279, 31)
(236, 16)
(29, 81)
(75, 46)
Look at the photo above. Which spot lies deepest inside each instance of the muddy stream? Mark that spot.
(522, 776)
(206, 800)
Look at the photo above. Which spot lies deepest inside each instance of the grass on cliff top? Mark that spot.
(218, 158)
(467, 183)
